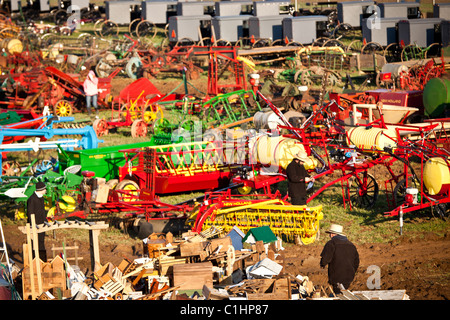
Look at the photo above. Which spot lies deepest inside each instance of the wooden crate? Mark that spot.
(193, 275)
(53, 275)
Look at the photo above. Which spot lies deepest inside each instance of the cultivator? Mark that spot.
(285, 220)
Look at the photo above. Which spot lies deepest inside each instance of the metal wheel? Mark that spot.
(130, 190)
(294, 44)
(63, 108)
(342, 30)
(134, 68)
(392, 53)
(100, 127)
(60, 17)
(185, 42)
(132, 27)
(146, 29)
(400, 190)
(106, 65)
(139, 128)
(97, 26)
(412, 52)
(320, 41)
(261, 43)
(334, 43)
(150, 116)
(372, 48)
(11, 168)
(109, 28)
(433, 51)
(363, 190)
(354, 47)
(443, 210)
(223, 43)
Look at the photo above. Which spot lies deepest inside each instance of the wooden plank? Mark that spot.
(100, 225)
(36, 252)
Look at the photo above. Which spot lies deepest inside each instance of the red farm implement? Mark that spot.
(431, 187)
(178, 168)
(138, 107)
(40, 87)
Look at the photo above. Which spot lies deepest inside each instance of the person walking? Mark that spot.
(90, 87)
(298, 177)
(341, 257)
(36, 206)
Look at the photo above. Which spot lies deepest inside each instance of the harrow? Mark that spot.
(284, 219)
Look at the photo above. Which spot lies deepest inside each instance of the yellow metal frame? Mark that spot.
(284, 220)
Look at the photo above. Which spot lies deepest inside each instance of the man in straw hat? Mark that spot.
(36, 206)
(341, 257)
(298, 177)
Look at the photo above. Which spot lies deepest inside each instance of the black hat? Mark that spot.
(40, 186)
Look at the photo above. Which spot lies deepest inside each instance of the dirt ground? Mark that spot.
(420, 267)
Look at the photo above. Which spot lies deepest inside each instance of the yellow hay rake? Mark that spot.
(286, 221)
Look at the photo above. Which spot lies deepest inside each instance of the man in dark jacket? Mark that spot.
(36, 206)
(297, 177)
(341, 257)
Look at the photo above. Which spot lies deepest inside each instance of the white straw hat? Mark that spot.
(302, 156)
(335, 228)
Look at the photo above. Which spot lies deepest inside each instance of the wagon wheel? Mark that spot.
(11, 168)
(334, 43)
(60, 17)
(294, 44)
(85, 39)
(130, 188)
(109, 28)
(132, 27)
(354, 47)
(97, 27)
(363, 190)
(63, 108)
(320, 41)
(139, 128)
(433, 51)
(185, 42)
(100, 127)
(372, 48)
(342, 30)
(279, 42)
(305, 79)
(223, 43)
(262, 43)
(393, 52)
(434, 72)
(146, 29)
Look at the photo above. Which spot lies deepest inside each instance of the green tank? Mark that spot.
(436, 97)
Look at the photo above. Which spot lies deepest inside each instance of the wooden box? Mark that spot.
(193, 275)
